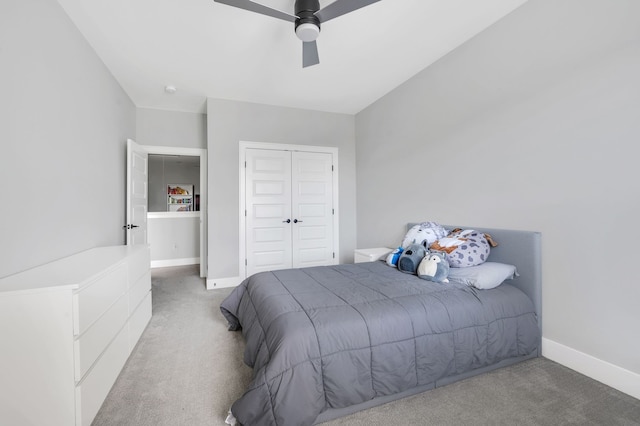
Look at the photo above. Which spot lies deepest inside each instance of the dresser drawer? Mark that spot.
(95, 298)
(139, 264)
(94, 388)
(139, 320)
(139, 291)
(88, 347)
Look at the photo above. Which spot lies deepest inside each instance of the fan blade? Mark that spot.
(309, 54)
(341, 7)
(258, 8)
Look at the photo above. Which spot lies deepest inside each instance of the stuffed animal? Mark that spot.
(465, 247)
(434, 267)
(392, 258)
(429, 231)
(411, 257)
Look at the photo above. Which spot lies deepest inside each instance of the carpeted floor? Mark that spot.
(187, 369)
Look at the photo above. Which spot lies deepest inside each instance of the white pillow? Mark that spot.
(484, 276)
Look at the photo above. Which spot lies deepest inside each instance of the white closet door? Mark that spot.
(268, 205)
(312, 209)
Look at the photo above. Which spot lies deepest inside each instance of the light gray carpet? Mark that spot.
(187, 370)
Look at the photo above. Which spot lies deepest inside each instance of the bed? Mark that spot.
(328, 341)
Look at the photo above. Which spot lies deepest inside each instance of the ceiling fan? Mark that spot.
(307, 18)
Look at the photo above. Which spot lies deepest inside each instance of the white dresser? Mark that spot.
(66, 330)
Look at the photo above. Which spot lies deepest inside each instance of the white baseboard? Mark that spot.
(175, 262)
(611, 375)
(223, 282)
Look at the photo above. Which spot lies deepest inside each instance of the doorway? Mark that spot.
(172, 219)
(174, 183)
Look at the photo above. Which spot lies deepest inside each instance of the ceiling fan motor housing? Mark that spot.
(307, 25)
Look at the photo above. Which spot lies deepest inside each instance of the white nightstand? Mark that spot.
(370, 254)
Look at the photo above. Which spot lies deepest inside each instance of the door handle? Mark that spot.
(286, 221)
(296, 221)
(130, 226)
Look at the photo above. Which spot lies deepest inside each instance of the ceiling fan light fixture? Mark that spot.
(307, 32)
(307, 17)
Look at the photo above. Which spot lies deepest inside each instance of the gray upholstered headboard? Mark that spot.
(522, 249)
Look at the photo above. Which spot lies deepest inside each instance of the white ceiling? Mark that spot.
(207, 49)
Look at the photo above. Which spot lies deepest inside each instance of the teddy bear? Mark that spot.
(434, 267)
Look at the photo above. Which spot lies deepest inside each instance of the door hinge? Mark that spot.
(334, 254)
(332, 167)
(333, 211)
(245, 212)
(245, 164)
(245, 262)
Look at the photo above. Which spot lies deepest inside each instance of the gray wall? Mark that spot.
(174, 239)
(533, 124)
(64, 121)
(171, 128)
(229, 123)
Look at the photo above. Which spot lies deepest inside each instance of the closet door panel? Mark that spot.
(312, 209)
(268, 205)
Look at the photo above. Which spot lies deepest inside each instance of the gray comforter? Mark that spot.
(334, 336)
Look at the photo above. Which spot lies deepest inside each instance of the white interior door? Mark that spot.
(268, 210)
(312, 208)
(137, 193)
